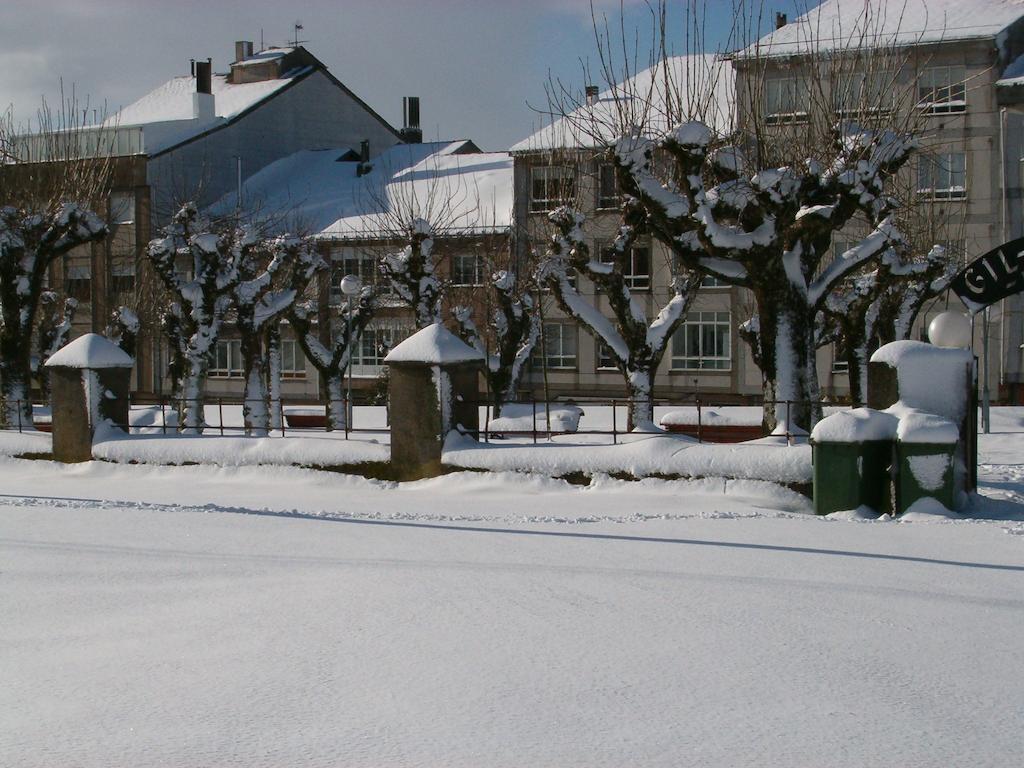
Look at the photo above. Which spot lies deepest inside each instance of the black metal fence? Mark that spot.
(538, 426)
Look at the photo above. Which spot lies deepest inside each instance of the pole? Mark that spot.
(985, 414)
(348, 401)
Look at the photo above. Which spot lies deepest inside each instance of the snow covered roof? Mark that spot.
(435, 345)
(838, 24)
(322, 192)
(90, 351)
(167, 110)
(707, 82)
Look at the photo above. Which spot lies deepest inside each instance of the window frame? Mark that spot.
(546, 174)
(341, 259)
(233, 357)
(634, 280)
(721, 322)
(941, 103)
(605, 202)
(797, 96)
(290, 369)
(544, 347)
(478, 270)
(78, 282)
(929, 169)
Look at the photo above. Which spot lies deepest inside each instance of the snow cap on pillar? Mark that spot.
(435, 345)
(90, 351)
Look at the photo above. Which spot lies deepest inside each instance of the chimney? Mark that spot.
(243, 49)
(591, 92)
(411, 132)
(364, 166)
(780, 20)
(202, 100)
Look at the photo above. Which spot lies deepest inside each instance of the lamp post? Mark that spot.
(351, 285)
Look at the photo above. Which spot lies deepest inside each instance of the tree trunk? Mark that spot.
(274, 375)
(337, 411)
(191, 414)
(254, 406)
(640, 388)
(790, 380)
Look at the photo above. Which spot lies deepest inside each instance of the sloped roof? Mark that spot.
(446, 183)
(839, 24)
(704, 82)
(167, 110)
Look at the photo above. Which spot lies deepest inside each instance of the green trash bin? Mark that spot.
(852, 454)
(925, 460)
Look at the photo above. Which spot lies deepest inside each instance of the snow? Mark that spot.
(746, 416)
(920, 367)
(840, 24)
(920, 427)
(436, 345)
(237, 451)
(929, 471)
(332, 201)
(708, 77)
(274, 616)
(640, 455)
(857, 425)
(521, 417)
(90, 351)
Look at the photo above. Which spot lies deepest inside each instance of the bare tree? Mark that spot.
(756, 202)
(54, 330)
(636, 344)
(271, 278)
(202, 265)
(332, 359)
(511, 334)
(50, 179)
(872, 309)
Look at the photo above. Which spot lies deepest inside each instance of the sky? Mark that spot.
(479, 66)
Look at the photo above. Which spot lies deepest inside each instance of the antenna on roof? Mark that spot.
(296, 41)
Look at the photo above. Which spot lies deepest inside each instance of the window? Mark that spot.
(350, 261)
(942, 176)
(467, 269)
(863, 92)
(708, 281)
(227, 360)
(78, 282)
(551, 186)
(122, 207)
(122, 279)
(943, 90)
(636, 265)
(785, 99)
(702, 343)
(559, 342)
(607, 191)
(293, 362)
(839, 365)
(374, 345)
(605, 358)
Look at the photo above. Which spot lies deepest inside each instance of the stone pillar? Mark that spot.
(90, 382)
(71, 428)
(433, 387)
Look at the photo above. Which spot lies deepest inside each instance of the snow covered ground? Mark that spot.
(278, 616)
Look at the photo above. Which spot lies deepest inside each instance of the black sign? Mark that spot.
(992, 277)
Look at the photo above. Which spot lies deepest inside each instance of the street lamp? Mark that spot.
(351, 285)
